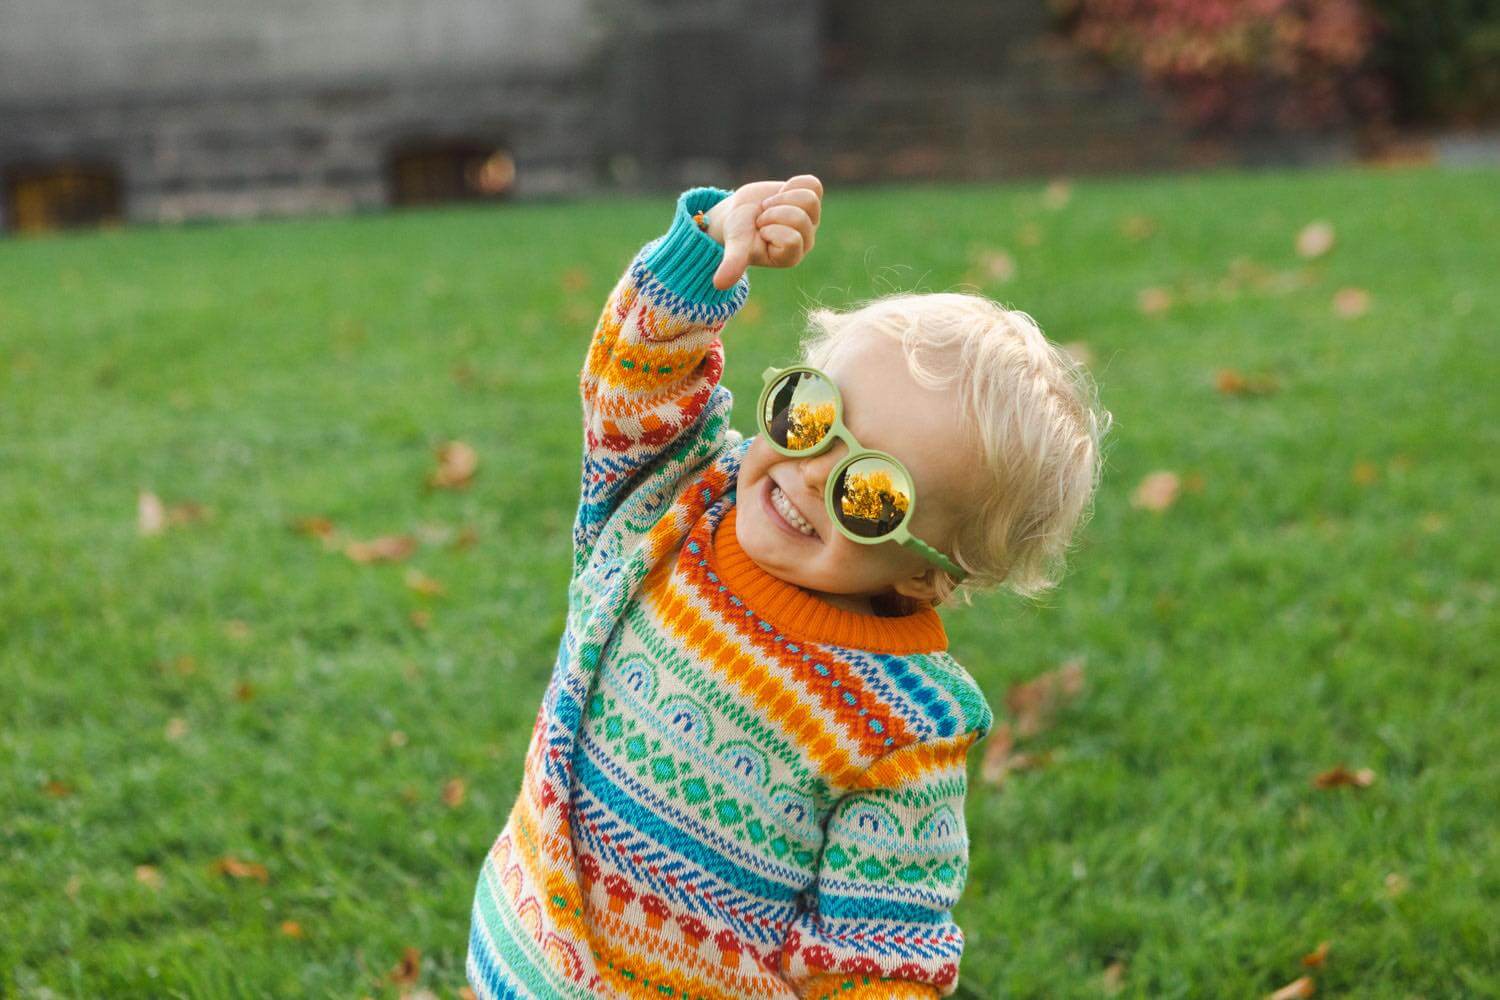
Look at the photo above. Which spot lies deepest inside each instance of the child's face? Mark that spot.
(886, 410)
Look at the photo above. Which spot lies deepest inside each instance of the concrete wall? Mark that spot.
(76, 49)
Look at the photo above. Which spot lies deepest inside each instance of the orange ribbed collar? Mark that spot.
(798, 612)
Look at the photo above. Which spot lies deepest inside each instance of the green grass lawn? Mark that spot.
(1322, 592)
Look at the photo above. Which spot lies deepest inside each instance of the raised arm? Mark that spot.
(894, 863)
(650, 381)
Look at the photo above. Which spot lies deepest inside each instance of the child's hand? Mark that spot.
(765, 224)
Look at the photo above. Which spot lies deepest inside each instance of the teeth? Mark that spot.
(785, 508)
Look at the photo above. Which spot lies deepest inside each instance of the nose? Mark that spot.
(816, 470)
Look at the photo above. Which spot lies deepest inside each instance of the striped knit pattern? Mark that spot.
(732, 789)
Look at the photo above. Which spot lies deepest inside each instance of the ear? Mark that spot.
(922, 587)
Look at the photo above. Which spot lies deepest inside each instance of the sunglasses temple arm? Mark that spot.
(935, 557)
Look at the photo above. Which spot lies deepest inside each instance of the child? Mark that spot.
(747, 779)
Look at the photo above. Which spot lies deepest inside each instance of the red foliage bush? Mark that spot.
(1242, 63)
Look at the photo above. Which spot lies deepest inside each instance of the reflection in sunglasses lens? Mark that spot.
(872, 497)
(800, 411)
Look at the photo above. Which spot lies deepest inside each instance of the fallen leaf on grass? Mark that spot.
(1315, 958)
(1113, 979)
(176, 729)
(420, 583)
(1137, 227)
(313, 527)
(998, 265)
(1232, 382)
(467, 538)
(1157, 492)
(150, 514)
(389, 548)
(73, 886)
(1396, 885)
(57, 789)
(995, 764)
(407, 971)
(244, 691)
(1057, 195)
(1364, 473)
(1341, 777)
(292, 929)
(457, 462)
(397, 738)
(455, 790)
(236, 630)
(1034, 703)
(236, 869)
(1154, 301)
(152, 517)
(421, 618)
(1315, 240)
(1351, 303)
(148, 876)
(1297, 989)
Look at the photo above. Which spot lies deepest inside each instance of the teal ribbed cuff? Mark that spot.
(685, 259)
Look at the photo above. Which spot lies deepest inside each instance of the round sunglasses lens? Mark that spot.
(872, 497)
(799, 411)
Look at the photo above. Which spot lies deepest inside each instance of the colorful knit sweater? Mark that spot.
(733, 788)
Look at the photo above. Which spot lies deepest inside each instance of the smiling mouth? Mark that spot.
(789, 513)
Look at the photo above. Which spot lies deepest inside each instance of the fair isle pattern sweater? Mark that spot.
(733, 789)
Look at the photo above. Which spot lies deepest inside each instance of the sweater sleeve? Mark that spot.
(894, 862)
(650, 381)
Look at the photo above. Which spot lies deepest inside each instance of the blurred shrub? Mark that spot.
(1243, 63)
(1442, 57)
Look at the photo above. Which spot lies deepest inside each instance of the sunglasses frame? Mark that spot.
(840, 432)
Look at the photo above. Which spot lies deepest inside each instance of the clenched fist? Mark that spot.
(765, 224)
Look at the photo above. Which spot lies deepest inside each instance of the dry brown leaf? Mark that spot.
(292, 929)
(998, 265)
(244, 691)
(186, 513)
(457, 462)
(1157, 492)
(1341, 776)
(421, 583)
(57, 789)
(1114, 977)
(186, 666)
(148, 876)
(150, 514)
(1080, 352)
(313, 527)
(389, 548)
(176, 729)
(467, 538)
(455, 790)
(995, 764)
(73, 886)
(1315, 958)
(1232, 382)
(1033, 704)
(407, 971)
(1137, 227)
(1297, 989)
(1396, 885)
(1057, 194)
(397, 739)
(1315, 240)
(237, 869)
(1351, 303)
(1364, 473)
(420, 618)
(1154, 301)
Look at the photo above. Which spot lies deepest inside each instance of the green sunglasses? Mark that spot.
(869, 495)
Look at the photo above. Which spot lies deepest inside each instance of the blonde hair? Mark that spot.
(1034, 417)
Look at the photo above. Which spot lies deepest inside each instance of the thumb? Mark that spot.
(739, 239)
